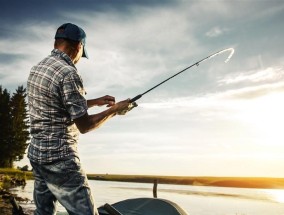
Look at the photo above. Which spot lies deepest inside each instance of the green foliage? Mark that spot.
(5, 126)
(16, 173)
(13, 125)
(5, 182)
(10, 177)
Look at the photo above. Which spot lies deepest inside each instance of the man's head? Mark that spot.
(72, 36)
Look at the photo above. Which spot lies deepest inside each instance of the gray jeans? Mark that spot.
(63, 181)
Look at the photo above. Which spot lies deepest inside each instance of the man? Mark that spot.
(58, 112)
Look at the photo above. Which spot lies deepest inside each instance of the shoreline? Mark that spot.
(11, 178)
(234, 182)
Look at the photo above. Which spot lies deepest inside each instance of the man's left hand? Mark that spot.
(106, 100)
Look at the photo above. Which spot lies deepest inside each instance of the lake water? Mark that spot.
(196, 200)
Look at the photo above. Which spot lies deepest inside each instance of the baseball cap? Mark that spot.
(72, 32)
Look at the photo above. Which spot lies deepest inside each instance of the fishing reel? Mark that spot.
(129, 108)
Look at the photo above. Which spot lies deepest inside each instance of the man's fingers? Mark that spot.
(109, 103)
(109, 100)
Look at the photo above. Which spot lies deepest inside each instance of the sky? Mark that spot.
(215, 119)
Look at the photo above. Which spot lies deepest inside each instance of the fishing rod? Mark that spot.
(195, 64)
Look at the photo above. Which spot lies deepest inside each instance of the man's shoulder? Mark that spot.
(57, 66)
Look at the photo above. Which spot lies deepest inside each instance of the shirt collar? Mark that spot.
(64, 56)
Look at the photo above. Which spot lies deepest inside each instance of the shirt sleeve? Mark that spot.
(73, 95)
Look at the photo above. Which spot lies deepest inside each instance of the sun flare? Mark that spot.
(276, 195)
(266, 116)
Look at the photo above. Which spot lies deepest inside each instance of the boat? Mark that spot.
(136, 206)
(142, 206)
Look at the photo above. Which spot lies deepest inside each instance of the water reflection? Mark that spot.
(196, 200)
(276, 195)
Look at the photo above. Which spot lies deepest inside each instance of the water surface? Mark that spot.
(196, 200)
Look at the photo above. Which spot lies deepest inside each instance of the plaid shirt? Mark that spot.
(55, 98)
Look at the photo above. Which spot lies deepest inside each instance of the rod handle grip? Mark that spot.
(135, 98)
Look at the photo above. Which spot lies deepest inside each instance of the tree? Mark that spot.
(20, 133)
(14, 122)
(5, 127)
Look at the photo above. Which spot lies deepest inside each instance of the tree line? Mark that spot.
(14, 126)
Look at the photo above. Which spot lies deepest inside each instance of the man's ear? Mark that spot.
(79, 45)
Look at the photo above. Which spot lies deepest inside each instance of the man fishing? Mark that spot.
(58, 112)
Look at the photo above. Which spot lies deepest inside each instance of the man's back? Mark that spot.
(53, 88)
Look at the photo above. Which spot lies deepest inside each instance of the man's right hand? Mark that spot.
(125, 106)
(88, 122)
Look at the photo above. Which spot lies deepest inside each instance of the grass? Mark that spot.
(8, 173)
(16, 173)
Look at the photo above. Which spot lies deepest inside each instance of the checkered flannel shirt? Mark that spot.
(55, 98)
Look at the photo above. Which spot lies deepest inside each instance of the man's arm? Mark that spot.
(88, 122)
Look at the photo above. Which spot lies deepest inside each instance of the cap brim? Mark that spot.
(85, 53)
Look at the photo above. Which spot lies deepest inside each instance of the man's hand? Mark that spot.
(88, 122)
(128, 106)
(105, 100)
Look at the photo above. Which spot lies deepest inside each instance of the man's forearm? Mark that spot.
(96, 120)
(92, 103)
(87, 122)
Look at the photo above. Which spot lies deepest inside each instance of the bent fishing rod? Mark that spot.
(195, 64)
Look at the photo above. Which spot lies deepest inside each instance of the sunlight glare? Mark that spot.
(266, 115)
(276, 195)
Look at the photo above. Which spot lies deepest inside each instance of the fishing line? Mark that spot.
(195, 64)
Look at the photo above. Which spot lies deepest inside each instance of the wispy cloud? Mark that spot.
(216, 31)
(143, 47)
(271, 74)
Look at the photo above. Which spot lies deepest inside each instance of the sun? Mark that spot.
(266, 116)
(276, 195)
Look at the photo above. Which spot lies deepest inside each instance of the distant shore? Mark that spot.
(238, 182)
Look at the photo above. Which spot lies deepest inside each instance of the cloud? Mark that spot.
(270, 74)
(226, 104)
(135, 50)
(255, 91)
(216, 32)
(18, 54)
(267, 9)
(132, 48)
(136, 44)
(255, 83)
(6, 58)
(15, 13)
